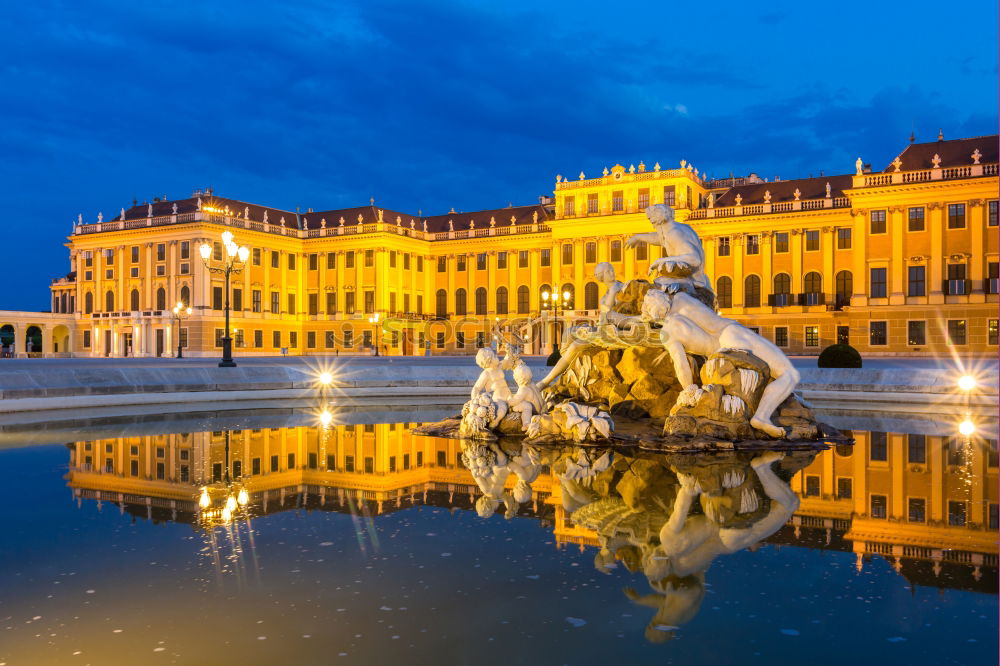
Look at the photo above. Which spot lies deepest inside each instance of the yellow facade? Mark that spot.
(918, 242)
(910, 499)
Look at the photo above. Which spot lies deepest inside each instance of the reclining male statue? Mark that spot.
(690, 327)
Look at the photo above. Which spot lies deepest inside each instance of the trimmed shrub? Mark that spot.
(839, 356)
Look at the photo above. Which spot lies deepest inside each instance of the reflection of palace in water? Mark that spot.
(926, 504)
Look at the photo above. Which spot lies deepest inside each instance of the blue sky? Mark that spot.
(470, 105)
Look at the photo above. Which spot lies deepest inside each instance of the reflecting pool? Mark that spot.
(302, 537)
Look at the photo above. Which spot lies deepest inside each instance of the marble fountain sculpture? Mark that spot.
(660, 369)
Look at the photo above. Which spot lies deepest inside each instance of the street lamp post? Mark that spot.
(557, 304)
(373, 320)
(234, 259)
(180, 312)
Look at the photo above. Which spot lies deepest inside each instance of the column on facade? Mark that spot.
(859, 237)
(828, 248)
(977, 262)
(897, 266)
(936, 261)
(578, 275)
(46, 340)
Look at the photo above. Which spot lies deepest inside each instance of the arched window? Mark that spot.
(523, 300)
(481, 301)
(460, 304)
(724, 291)
(441, 306)
(782, 290)
(88, 303)
(571, 301)
(134, 300)
(109, 301)
(845, 287)
(812, 289)
(590, 296)
(751, 292)
(544, 289)
(185, 295)
(501, 300)
(161, 299)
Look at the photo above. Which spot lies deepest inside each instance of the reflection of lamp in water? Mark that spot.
(967, 427)
(204, 501)
(325, 418)
(325, 378)
(967, 382)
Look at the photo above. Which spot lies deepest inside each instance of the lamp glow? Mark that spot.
(243, 498)
(966, 382)
(227, 237)
(204, 500)
(243, 253)
(227, 515)
(545, 295)
(967, 427)
(206, 251)
(231, 503)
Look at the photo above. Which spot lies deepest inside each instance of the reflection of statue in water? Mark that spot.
(657, 533)
(689, 327)
(489, 467)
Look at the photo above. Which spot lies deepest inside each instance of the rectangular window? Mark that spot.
(109, 257)
(135, 254)
(291, 304)
(877, 333)
(753, 244)
(291, 262)
(459, 340)
(592, 205)
(276, 339)
(843, 335)
(956, 514)
(439, 340)
(916, 510)
(844, 238)
(781, 336)
(258, 338)
(916, 284)
(237, 300)
(406, 261)
(812, 336)
(956, 331)
(522, 259)
(670, 195)
(255, 300)
(255, 256)
(348, 338)
(956, 216)
(546, 258)
(313, 304)
(348, 463)
(916, 332)
(812, 486)
(877, 222)
(991, 214)
(992, 282)
(501, 260)
(877, 285)
(641, 251)
(369, 465)
(86, 339)
(812, 240)
(781, 242)
(219, 334)
(392, 464)
(567, 254)
(956, 286)
(330, 340)
(845, 487)
(723, 246)
(590, 253)
(617, 201)
(569, 207)
(185, 268)
(460, 262)
(644, 198)
(915, 219)
(349, 305)
(878, 447)
(275, 259)
(481, 261)
(392, 258)
(369, 302)
(442, 264)
(274, 463)
(369, 258)
(879, 506)
(216, 298)
(331, 261)
(313, 262)
(916, 448)
(994, 516)
(291, 461)
(992, 331)
(161, 252)
(616, 250)
(955, 451)
(276, 302)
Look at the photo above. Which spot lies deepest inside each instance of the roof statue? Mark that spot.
(451, 225)
(380, 214)
(656, 167)
(534, 217)
(936, 161)
(173, 209)
(827, 189)
(265, 216)
(123, 214)
(425, 226)
(341, 220)
(711, 200)
(493, 221)
(606, 172)
(582, 177)
(797, 193)
(976, 155)
(767, 196)
(100, 217)
(399, 220)
(199, 203)
(246, 212)
(361, 218)
(896, 164)
(305, 223)
(739, 199)
(859, 167)
(282, 221)
(513, 220)
(472, 224)
(149, 210)
(322, 223)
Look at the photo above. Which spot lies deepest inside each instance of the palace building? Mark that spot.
(898, 260)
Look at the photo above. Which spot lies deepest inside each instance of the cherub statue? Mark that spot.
(489, 467)
(491, 380)
(528, 400)
(688, 326)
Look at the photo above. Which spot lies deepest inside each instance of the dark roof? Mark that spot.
(368, 214)
(954, 152)
(784, 190)
(500, 216)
